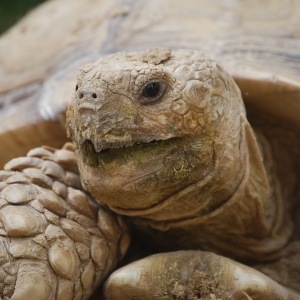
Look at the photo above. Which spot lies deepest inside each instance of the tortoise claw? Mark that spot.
(34, 278)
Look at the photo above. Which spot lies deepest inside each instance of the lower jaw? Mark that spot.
(136, 177)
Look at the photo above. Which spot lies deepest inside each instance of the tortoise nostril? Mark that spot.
(94, 95)
(80, 95)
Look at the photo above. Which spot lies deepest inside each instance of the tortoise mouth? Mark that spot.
(123, 153)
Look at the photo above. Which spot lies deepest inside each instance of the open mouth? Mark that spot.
(137, 153)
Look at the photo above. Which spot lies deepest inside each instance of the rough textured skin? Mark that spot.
(119, 118)
(56, 241)
(186, 165)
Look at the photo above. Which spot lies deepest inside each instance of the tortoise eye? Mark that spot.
(152, 92)
(76, 87)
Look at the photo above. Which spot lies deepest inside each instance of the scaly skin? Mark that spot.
(56, 242)
(187, 165)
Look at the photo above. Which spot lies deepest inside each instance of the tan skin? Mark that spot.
(163, 138)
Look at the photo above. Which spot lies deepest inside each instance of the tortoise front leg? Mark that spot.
(56, 242)
(190, 275)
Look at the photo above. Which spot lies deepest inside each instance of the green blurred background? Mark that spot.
(13, 10)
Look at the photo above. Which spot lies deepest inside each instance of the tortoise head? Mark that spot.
(157, 129)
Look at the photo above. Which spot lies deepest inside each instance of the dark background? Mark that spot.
(13, 10)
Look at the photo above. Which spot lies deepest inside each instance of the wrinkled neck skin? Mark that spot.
(253, 223)
(186, 168)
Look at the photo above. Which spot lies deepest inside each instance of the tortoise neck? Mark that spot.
(251, 224)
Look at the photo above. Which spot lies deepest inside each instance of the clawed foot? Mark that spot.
(191, 275)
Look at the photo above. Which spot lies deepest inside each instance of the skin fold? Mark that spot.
(189, 170)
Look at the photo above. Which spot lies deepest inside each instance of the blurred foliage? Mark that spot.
(12, 11)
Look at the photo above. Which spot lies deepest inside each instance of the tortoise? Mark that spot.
(176, 116)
